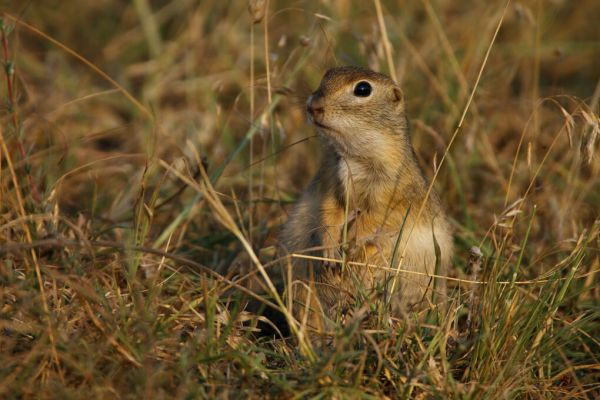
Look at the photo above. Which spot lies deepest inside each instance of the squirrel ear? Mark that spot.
(398, 95)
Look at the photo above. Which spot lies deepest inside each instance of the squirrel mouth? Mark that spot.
(316, 123)
(320, 125)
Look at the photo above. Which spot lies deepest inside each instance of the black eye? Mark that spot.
(362, 89)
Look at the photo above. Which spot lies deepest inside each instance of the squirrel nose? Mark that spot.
(314, 107)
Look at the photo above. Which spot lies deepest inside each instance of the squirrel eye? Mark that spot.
(362, 89)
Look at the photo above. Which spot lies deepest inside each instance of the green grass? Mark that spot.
(126, 269)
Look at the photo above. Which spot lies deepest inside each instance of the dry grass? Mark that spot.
(149, 152)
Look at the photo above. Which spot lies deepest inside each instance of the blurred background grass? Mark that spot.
(86, 312)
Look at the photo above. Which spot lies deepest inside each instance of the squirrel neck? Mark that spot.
(388, 175)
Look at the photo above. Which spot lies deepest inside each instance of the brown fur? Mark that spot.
(368, 160)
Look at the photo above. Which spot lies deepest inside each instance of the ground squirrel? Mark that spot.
(370, 186)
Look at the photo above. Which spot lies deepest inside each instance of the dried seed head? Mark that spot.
(304, 40)
(593, 132)
(257, 9)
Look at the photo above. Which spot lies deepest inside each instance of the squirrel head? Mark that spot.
(357, 109)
